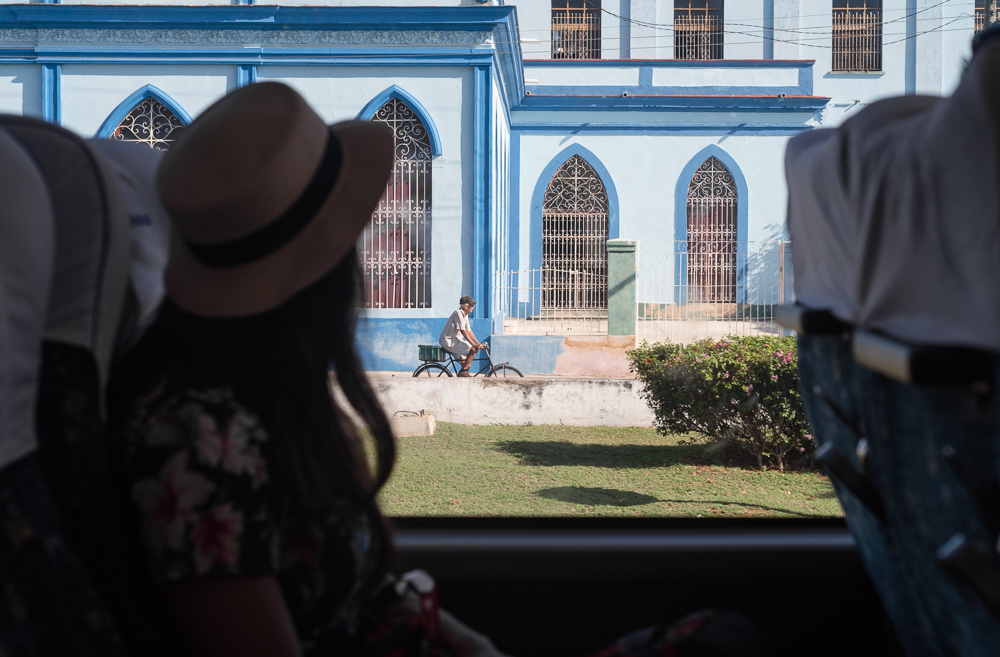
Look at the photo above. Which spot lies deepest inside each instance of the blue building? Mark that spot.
(529, 133)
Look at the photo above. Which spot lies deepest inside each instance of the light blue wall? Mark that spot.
(21, 89)
(391, 345)
(91, 92)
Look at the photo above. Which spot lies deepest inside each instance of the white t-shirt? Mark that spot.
(452, 333)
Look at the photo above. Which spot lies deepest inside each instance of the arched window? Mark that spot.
(396, 251)
(574, 238)
(711, 234)
(150, 123)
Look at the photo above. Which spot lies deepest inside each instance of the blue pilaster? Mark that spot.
(481, 189)
(52, 92)
(246, 74)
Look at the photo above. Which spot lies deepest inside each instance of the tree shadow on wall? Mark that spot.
(550, 453)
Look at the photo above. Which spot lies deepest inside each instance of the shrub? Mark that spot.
(740, 393)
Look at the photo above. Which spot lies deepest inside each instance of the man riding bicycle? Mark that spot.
(457, 338)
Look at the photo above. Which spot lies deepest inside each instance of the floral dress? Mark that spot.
(197, 471)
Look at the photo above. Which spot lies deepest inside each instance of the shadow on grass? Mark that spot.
(550, 453)
(596, 496)
(614, 497)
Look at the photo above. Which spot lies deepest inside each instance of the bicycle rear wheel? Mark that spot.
(431, 369)
(505, 372)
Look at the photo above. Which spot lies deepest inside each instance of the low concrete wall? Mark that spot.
(579, 402)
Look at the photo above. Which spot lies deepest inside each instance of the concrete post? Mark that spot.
(621, 287)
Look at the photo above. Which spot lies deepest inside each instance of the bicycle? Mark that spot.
(433, 356)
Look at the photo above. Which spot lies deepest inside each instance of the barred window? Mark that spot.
(396, 244)
(857, 35)
(576, 29)
(574, 238)
(711, 234)
(150, 123)
(980, 15)
(698, 29)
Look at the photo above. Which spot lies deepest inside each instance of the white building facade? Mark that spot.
(529, 133)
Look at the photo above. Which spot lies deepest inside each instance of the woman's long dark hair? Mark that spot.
(278, 363)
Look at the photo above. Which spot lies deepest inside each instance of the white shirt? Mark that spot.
(452, 333)
(893, 216)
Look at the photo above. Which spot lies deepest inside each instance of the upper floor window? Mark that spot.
(857, 35)
(396, 245)
(698, 29)
(150, 123)
(980, 15)
(576, 29)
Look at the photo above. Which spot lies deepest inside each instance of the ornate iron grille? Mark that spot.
(576, 29)
(857, 35)
(150, 123)
(574, 239)
(396, 245)
(698, 30)
(711, 226)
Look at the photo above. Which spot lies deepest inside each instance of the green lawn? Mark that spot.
(580, 471)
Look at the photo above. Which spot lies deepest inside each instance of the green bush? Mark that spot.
(740, 393)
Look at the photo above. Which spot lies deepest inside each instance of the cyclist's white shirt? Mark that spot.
(451, 336)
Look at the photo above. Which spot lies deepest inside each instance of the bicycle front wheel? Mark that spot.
(505, 372)
(431, 369)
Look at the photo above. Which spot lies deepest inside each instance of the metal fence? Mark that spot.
(698, 35)
(549, 301)
(857, 38)
(671, 290)
(576, 33)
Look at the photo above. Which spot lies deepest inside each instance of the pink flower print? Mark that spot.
(229, 447)
(216, 538)
(168, 502)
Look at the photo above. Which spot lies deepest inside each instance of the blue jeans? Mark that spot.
(926, 501)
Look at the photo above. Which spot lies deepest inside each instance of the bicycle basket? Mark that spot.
(431, 352)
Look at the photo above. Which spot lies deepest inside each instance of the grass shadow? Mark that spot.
(615, 497)
(596, 496)
(561, 452)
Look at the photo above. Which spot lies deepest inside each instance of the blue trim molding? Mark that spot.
(640, 129)
(426, 36)
(742, 212)
(52, 93)
(538, 196)
(690, 103)
(136, 97)
(395, 91)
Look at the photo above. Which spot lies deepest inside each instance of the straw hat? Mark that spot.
(265, 199)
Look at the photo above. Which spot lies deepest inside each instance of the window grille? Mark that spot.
(150, 123)
(576, 29)
(980, 15)
(698, 29)
(396, 244)
(857, 35)
(711, 234)
(574, 239)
